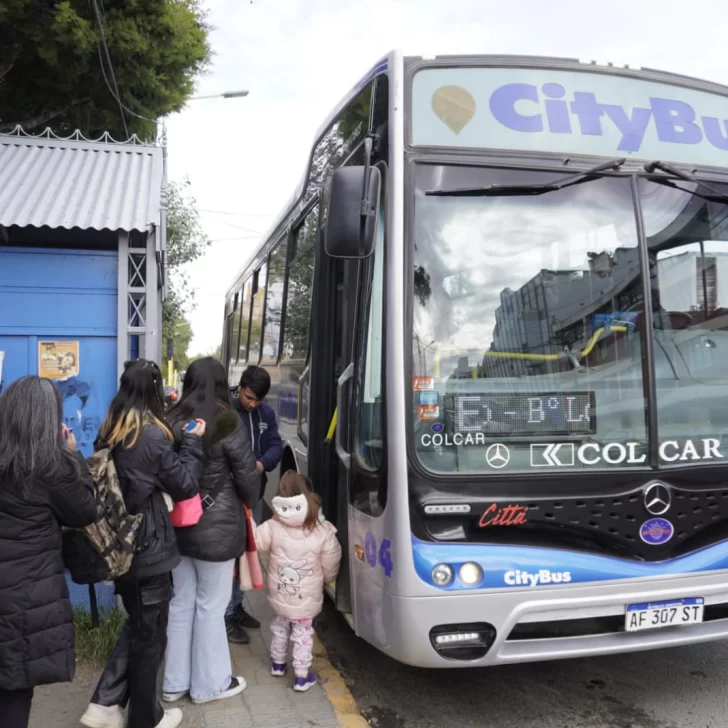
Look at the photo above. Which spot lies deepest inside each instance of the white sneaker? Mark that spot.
(101, 716)
(172, 718)
(237, 685)
(174, 697)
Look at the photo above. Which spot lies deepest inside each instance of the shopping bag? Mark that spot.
(246, 583)
(251, 553)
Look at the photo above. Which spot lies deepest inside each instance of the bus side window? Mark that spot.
(274, 302)
(296, 328)
(256, 320)
(369, 444)
(245, 321)
(234, 324)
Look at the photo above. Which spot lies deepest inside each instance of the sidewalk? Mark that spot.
(267, 702)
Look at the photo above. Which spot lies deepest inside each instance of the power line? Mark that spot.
(115, 94)
(242, 237)
(240, 227)
(234, 214)
(115, 90)
(367, 10)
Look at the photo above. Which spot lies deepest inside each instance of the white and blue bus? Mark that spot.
(495, 314)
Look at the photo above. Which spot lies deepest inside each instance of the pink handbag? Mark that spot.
(187, 512)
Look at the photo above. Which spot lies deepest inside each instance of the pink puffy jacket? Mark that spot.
(300, 561)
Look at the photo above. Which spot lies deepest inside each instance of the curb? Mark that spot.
(338, 694)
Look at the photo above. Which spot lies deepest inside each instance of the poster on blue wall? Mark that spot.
(61, 362)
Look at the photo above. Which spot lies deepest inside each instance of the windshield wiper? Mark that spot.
(715, 195)
(536, 189)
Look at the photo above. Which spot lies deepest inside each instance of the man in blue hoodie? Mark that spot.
(259, 421)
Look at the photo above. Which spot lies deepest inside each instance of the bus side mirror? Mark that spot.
(352, 216)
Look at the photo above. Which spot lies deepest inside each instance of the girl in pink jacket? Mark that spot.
(304, 554)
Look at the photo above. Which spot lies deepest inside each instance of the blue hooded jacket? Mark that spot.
(261, 427)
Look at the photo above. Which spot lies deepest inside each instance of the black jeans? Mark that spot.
(15, 708)
(130, 675)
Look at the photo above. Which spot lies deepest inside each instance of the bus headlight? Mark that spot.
(442, 575)
(470, 573)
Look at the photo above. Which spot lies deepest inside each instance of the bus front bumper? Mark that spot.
(547, 623)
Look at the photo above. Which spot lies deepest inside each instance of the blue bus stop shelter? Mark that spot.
(82, 265)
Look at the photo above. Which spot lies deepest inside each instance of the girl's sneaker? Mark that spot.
(278, 669)
(303, 684)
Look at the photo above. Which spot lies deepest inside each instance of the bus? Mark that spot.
(495, 318)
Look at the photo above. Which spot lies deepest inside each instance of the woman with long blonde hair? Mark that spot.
(148, 468)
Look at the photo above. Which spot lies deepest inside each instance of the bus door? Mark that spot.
(360, 439)
(346, 394)
(332, 347)
(347, 282)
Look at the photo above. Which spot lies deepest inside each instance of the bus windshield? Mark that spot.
(687, 242)
(528, 323)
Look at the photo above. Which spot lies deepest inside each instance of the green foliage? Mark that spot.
(181, 339)
(186, 242)
(186, 239)
(94, 646)
(51, 72)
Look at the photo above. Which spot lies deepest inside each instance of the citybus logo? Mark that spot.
(527, 108)
(518, 577)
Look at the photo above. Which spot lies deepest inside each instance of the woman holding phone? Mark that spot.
(44, 485)
(149, 468)
(198, 658)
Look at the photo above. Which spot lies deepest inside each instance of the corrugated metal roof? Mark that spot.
(67, 184)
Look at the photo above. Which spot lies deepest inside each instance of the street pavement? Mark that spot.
(677, 688)
(267, 702)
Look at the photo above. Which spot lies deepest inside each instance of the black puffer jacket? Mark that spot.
(145, 471)
(229, 466)
(36, 622)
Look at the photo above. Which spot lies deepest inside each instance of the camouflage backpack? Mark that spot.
(105, 549)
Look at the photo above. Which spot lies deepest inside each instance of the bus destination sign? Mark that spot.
(517, 414)
(568, 112)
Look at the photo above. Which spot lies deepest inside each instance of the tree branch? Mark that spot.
(42, 118)
(7, 65)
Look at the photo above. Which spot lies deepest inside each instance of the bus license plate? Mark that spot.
(663, 614)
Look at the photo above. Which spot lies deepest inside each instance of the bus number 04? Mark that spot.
(383, 558)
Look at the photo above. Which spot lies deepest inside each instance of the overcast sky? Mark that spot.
(245, 156)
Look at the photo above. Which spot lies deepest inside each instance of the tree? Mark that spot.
(181, 338)
(186, 242)
(55, 71)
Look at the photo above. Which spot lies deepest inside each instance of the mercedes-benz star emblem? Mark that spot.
(497, 456)
(657, 499)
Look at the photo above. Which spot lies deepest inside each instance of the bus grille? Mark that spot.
(607, 525)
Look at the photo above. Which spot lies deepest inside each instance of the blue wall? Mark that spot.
(63, 295)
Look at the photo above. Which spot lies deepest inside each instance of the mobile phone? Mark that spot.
(190, 425)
